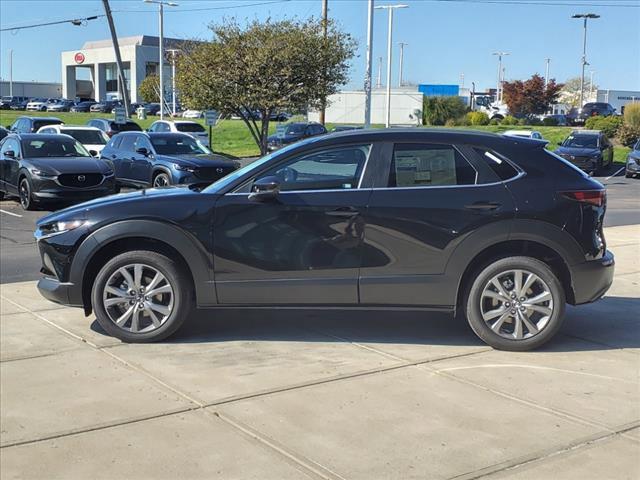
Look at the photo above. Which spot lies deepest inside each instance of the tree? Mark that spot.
(149, 89)
(265, 67)
(437, 110)
(530, 97)
(570, 93)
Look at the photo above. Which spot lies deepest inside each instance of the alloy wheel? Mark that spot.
(138, 298)
(516, 304)
(25, 194)
(161, 180)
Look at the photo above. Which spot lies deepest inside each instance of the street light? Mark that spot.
(585, 17)
(161, 4)
(402, 45)
(499, 55)
(173, 52)
(390, 9)
(367, 74)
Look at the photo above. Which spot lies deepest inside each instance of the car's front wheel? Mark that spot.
(161, 180)
(515, 303)
(142, 296)
(24, 192)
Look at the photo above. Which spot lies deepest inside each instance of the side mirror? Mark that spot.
(10, 154)
(263, 189)
(8, 127)
(93, 153)
(142, 151)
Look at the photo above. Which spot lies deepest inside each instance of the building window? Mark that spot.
(111, 75)
(151, 69)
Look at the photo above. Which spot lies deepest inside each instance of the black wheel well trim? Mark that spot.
(126, 235)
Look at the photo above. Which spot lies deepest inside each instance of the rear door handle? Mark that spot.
(343, 212)
(483, 206)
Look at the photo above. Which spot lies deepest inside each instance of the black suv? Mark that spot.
(496, 228)
(594, 109)
(33, 124)
(589, 150)
(110, 127)
(293, 132)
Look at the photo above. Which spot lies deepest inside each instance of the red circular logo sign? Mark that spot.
(79, 57)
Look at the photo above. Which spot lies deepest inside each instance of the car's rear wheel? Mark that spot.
(142, 296)
(24, 192)
(161, 180)
(515, 303)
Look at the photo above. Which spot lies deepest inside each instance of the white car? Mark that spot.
(524, 133)
(194, 129)
(40, 104)
(192, 114)
(91, 138)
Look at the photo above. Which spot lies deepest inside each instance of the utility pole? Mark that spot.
(498, 89)
(114, 38)
(390, 9)
(591, 84)
(173, 52)
(367, 73)
(585, 17)
(323, 105)
(11, 73)
(462, 79)
(546, 75)
(402, 44)
(379, 79)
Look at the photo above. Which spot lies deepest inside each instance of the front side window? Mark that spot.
(127, 143)
(142, 142)
(423, 165)
(335, 169)
(10, 144)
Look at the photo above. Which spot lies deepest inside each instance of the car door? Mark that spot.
(142, 164)
(302, 247)
(607, 151)
(430, 197)
(10, 165)
(124, 157)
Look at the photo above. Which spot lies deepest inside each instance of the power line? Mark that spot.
(202, 9)
(636, 4)
(75, 21)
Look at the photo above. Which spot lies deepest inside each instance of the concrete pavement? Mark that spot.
(296, 394)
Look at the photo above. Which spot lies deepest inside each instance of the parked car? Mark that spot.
(33, 124)
(42, 168)
(9, 101)
(110, 127)
(20, 105)
(3, 132)
(632, 167)
(293, 132)
(105, 106)
(499, 229)
(40, 104)
(192, 114)
(162, 159)
(60, 106)
(589, 150)
(192, 128)
(153, 108)
(279, 116)
(345, 128)
(594, 109)
(83, 107)
(524, 133)
(91, 138)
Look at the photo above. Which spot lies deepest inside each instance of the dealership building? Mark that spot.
(91, 71)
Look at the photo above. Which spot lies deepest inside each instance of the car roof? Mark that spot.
(165, 134)
(41, 136)
(56, 119)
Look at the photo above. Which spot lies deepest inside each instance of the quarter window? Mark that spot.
(419, 165)
(335, 169)
(501, 167)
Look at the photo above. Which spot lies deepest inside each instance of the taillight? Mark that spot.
(592, 197)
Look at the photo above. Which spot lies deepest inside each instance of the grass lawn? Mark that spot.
(232, 136)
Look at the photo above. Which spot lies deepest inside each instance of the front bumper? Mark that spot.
(592, 279)
(48, 189)
(56, 291)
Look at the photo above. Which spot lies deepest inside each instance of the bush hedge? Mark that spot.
(628, 135)
(632, 115)
(608, 125)
(509, 120)
(477, 118)
(437, 110)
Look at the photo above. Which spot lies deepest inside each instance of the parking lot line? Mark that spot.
(611, 176)
(10, 213)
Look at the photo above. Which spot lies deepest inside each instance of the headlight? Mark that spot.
(184, 168)
(41, 173)
(56, 228)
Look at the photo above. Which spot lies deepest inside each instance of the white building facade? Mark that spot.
(140, 58)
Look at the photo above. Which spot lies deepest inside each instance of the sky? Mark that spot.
(445, 39)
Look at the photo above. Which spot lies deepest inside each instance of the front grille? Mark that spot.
(212, 173)
(580, 162)
(80, 180)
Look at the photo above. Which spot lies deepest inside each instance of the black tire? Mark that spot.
(627, 175)
(176, 276)
(1, 195)
(473, 298)
(161, 179)
(24, 192)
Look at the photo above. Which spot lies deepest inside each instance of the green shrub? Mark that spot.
(437, 110)
(450, 122)
(522, 121)
(628, 135)
(534, 121)
(494, 121)
(509, 120)
(608, 125)
(477, 118)
(463, 121)
(550, 122)
(632, 115)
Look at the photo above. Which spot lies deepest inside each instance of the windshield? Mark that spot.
(41, 123)
(581, 141)
(53, 147)
(87, 137)
(189, 127)
(178, 145)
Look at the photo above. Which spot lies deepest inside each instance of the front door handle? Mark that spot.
(483, 206)
(343, 212)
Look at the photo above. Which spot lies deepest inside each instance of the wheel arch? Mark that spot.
(157, 169)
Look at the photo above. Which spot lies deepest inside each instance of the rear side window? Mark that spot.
(125, 127)
(420, 165)
(189, 127)
(41, 123)
(498, 163)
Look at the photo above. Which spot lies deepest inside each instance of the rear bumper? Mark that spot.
(592, 279)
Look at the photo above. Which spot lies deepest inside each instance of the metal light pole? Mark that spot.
(499, 55)
(11, 73)
(591, 84)
(402, 44)
(390, 9)
(367, 73)
(116, 47)
(546, 74)
(462, 80)
(173, 52)
(379, 78)
(161, 5)
(585, 17)
(325, 10)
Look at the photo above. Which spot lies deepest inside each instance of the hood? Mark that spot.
(83, 210)
(578, 152)
(199, 160)
(60, 165)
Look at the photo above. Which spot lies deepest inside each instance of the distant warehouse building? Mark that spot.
(618, 98)
(97, 59)
(30, 89)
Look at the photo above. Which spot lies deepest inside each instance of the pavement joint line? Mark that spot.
(543, 455)
(308, 464)
(595, 342)
(38, 355)
(627, 274)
